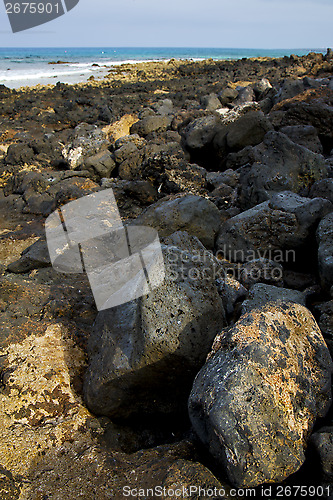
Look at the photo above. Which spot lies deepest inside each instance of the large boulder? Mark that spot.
(321, 443)
(325, 251)
(290, 88)
(286, 222)
(143, 355)
(194, 214)
(280, 165)
(255, 401)
(18, 154)
(322, 189)
(304, 135)
(248, 130)
(313, 107)
(260, 294)
(210, 102)
(150, 124)
(201, 132)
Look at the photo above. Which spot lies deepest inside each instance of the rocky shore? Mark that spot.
(220, 379)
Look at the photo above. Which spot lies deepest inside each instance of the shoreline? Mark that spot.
(75, 71)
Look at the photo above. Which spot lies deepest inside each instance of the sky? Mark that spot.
(182, 23)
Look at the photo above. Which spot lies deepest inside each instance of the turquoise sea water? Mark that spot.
(29, 66)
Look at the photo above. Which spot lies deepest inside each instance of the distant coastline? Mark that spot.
(31, 66)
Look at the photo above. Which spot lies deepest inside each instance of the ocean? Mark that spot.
(30, 66)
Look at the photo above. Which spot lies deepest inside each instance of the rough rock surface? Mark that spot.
(322, 443)
(144, 354)
(261, 294)
(255, 401)
(194, 214)
(87, 140)
(284, 222)
(280, 165)
(325, 250)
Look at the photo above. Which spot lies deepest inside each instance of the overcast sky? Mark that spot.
(183, 23)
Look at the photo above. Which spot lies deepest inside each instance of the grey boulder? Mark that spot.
(85, 141)
(249, 130)
(325, 251)
(280, 165)
(260, 294)
(194, 214)
(322, 189)
(255, 401)
(150, 124)
(304, 135)
(143, 355)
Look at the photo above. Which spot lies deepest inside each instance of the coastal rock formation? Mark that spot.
(255, 401)
(143, 355)
(194, 214)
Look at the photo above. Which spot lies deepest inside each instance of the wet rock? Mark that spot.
(33, 257)
(150, 124)
(194, 214)
(325, 251)
(139, 363)
(86, 141)
(100, 165)
(285, 222)
(322, 189)
(280, 165)
(261, 294)
(304, 135)
(255, 401)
